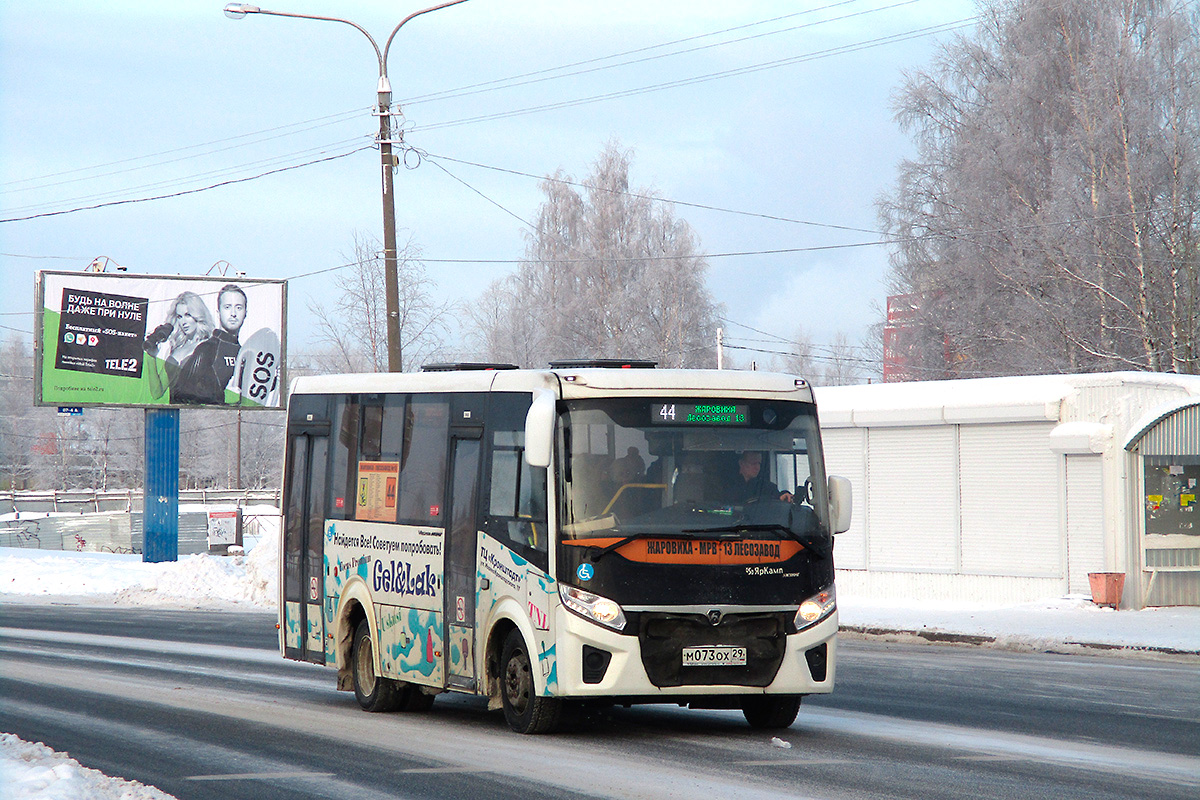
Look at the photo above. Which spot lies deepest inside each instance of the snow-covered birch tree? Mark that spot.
(351, 328)
(609, 272)
(1049, 220)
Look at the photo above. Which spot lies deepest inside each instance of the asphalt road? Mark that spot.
(200, 705)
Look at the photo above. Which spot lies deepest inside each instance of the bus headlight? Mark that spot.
(592, 606)
(816, 608)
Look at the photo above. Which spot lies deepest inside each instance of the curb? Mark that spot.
(946, 637)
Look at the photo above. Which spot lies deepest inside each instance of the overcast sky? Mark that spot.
(117, 100)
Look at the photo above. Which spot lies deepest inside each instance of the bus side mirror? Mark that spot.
(539, 429)
(840, 502)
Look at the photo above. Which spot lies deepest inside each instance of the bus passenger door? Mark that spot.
(304, 547)
(462, 533)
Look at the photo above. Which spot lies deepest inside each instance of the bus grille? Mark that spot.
(663, 637)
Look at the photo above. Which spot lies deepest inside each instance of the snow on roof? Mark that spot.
(1080, 437)
(1023, 398)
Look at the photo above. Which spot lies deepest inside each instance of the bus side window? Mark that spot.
(380, 447)
(517, 504)
(342, 479)
(516, 500)
(423, 461)
(372, 432)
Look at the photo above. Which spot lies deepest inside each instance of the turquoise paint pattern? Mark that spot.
(291, 621)
(316, 632)
(549, 665)
(410, 642)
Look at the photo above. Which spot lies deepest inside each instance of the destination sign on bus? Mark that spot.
(699, 414)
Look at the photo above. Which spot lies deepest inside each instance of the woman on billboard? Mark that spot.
(188, 323)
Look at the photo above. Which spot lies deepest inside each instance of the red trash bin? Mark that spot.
(1106, 587)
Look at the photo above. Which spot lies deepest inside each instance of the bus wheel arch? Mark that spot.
(352, 612)
(492, 667)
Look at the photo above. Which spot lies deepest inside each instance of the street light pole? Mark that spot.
(387, 161)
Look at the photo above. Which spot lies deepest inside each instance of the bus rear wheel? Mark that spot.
(524, 710)
(373, 692)
(771, 712)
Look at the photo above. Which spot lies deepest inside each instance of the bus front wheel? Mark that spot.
(771, 712)
(373, 692)
(524, 710)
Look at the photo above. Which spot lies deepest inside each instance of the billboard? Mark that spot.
(104, 339)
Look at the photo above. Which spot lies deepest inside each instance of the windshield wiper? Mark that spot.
(810, 542)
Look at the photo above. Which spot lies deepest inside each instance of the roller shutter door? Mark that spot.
(1085, 521)
(912, 499)
(1010, 501)
(846, 455)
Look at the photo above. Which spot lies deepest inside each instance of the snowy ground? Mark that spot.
(31, 771)
(251, 581)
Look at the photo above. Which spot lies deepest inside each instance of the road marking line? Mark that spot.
(447, 770)
(799, 761)
(258, 776)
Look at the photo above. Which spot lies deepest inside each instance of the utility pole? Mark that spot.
(239, 448)
(387, 160)
(391, 286)
(720, 348)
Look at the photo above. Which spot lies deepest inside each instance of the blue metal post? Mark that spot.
(160, 520)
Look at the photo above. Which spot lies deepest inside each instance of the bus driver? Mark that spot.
(750, 485)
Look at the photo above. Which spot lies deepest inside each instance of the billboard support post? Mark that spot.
(160, 515)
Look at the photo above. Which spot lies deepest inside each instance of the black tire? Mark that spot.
(372, 692)
(524, 710)
(771, 712)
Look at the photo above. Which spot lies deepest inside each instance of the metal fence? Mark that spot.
(111, 522)
(125, 499)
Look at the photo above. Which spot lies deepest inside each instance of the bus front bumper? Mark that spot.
(808, 665)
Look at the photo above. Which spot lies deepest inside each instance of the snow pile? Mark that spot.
(193, 581)
(203, 580)
(35, 772)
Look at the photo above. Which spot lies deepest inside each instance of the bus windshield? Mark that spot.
(687, 467)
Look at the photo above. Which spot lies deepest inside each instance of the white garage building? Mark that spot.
(1014, 489)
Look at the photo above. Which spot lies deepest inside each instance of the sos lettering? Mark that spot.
(262, 376)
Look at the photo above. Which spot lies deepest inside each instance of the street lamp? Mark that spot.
(386, 160)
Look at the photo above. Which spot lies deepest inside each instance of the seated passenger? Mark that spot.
(630, 468)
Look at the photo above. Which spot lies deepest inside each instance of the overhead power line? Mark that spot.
(655, 198)
(712, 76)
(313, 123)
(541, 76)
(257, 137)
(184, 180)
(503, 82)
(185, 191)
(165, 162)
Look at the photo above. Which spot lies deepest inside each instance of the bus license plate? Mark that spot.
(714, 656)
